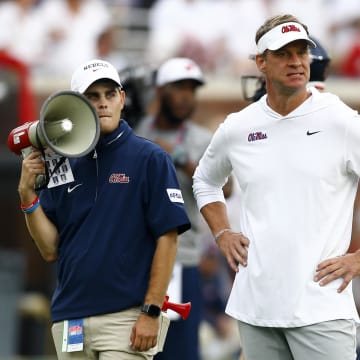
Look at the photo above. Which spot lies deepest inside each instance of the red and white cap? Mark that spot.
(91, 71)
(282, 35)
(177, 69)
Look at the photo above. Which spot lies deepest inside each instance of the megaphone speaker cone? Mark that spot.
(69, 124)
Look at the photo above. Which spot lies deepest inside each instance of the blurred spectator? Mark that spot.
(241, 23)
(71, 29)
(214, 32)
(344, 33)
(105, 49)
(20, 26)
(188, 28)
(177, 84)
(318, 19)
(350, 65)
(26, 100)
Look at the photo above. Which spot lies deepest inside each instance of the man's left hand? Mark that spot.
(144, 333)
(346, 267)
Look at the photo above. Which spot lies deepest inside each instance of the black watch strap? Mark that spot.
(151, 310)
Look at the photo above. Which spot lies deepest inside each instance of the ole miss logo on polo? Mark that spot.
(119, 179)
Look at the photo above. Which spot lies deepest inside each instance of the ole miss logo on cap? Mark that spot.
(288, 28)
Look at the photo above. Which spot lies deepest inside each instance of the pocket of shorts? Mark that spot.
(164, 326)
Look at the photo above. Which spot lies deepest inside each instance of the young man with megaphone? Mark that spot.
(113, 232)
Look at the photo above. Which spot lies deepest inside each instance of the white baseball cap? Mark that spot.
(281, 35)
(91, 71)
(177, 69)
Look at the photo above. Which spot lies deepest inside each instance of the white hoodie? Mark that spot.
(298, 176)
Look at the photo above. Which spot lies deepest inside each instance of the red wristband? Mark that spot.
(27, 207)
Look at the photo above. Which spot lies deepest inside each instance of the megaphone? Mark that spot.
(68, 125)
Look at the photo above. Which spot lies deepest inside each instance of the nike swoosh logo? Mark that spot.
(312, 133)
(71, 189)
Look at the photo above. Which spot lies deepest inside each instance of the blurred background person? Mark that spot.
(239, 24)
(318, 19)
(344, 33)
(70, 33)
(177, 82)
(106, 49)
(188, 28)
(20, 27)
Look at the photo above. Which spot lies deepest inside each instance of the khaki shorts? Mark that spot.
(329, 340)
(108, 337)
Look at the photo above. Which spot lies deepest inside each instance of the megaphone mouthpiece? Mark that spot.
(69, 124)
(182, 309)
(59, 128)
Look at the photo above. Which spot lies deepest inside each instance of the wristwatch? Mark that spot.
(151, 310)
(179, 156)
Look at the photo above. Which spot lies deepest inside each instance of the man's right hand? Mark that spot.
(233, 246)
(32, 166)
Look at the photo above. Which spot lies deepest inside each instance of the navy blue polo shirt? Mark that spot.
(123, 198)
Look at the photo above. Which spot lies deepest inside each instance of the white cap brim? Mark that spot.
(91, 71)
(282, 35)
(177, 69)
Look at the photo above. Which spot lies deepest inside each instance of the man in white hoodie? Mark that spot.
(296, 156)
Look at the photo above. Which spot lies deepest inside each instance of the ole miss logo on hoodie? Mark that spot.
(254, 136)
